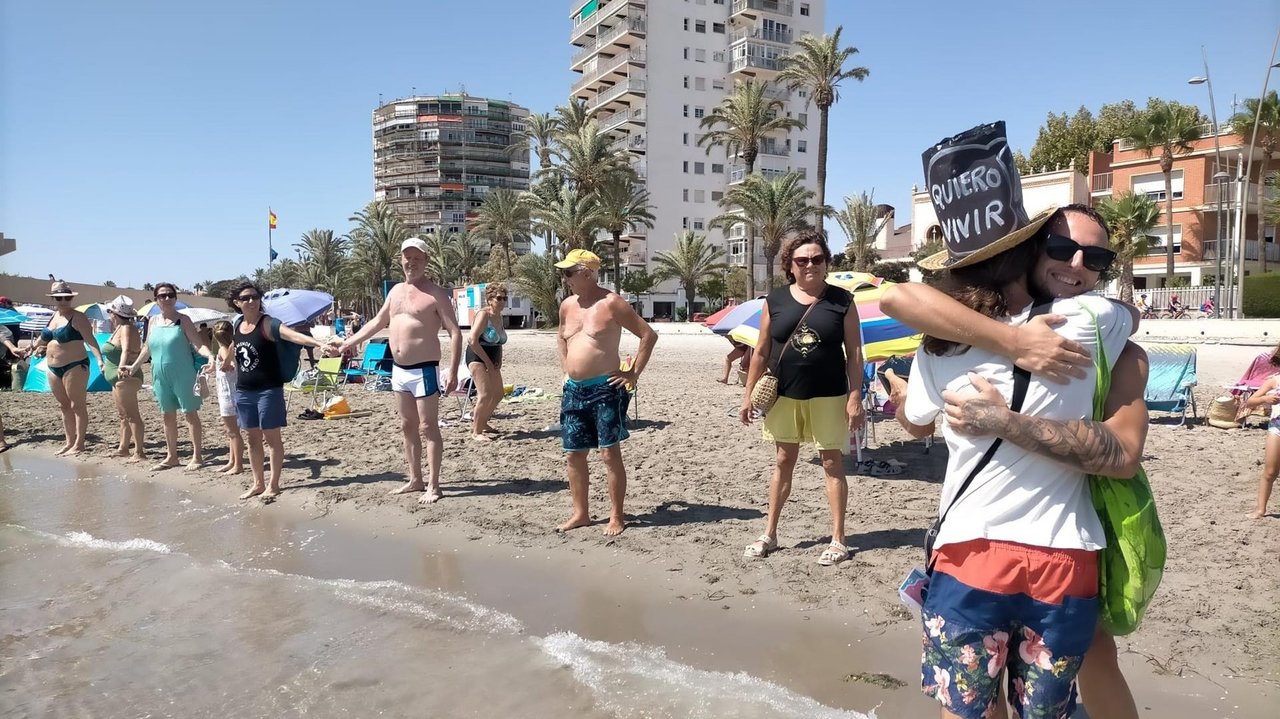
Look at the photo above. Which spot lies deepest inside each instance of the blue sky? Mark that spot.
(143, 140)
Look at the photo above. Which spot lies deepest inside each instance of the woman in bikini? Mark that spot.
(63, 345)
(122, 348)
(484, 358)
(172, 345)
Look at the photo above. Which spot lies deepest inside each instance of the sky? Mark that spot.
(143, 141)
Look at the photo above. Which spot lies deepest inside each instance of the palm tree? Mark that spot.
(323, 257)
(773, 208)
(1169, 129)
(572, 216)
(587, 159)
(467, 253)
(624, 207)
(816, 63)
(573, 116)
(1271, 205)
(691, 261)
(440, 265)
(861, 221)
(739, 124)
(375, 248)
(1262, 117)
(1131, 218)
(502, 219)
(540, 131)
(538, 279)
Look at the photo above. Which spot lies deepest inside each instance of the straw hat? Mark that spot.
(976, 192)
(62, 289)
(122, 306)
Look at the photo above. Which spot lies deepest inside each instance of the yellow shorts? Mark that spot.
(821, 421)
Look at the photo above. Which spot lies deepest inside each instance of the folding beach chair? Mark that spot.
(1172, 378)
(375, 354)
(465, 392)
(1259, 371)
(322, 380)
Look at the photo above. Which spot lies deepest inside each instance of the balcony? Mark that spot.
(605, 65)
(1229, 195)
(774, 148)
(752, 9)
(1100, 184)
(758, 33)
(1206, 132)
(631, 86)
(589, 25)
(620, 118)
(766, 67)
(629, 143)
(738, 173)
(628, 30)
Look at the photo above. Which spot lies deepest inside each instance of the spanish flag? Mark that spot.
(271, 219)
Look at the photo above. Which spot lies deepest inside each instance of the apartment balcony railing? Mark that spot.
(738, 173)
(758, 33)
(1206, 131)
(777, 92)
(752, 62)
(606, 65)
(633, 25)
(1229, 194)
(630, 142)
(769, 148)
(592, 22)
(1100, 183)
(620, 118)
(777, 7)
(634, 85)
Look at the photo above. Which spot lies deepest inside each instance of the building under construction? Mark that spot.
(436, 158)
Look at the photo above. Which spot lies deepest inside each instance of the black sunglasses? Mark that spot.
(806, 261)
(1063, 249)
(166, 296)
(248, 298)
(570, 271)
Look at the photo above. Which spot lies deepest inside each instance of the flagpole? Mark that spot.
(271, 251)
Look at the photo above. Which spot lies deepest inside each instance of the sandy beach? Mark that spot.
(697, 494)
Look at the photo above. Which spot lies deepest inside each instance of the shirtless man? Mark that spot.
(593, 409)
(416, 309)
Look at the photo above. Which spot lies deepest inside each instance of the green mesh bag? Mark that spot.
(1131, 566)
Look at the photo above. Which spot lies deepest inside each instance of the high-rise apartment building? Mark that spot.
(652, 69)
(435, 158)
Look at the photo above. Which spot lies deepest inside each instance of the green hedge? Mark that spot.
(1262, 295)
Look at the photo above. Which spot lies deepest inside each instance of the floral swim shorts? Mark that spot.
(993, 606)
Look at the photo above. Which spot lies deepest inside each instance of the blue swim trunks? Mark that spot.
(593, 414)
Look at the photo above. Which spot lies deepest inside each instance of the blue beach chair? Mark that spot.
(375, 354)
(1172, 379)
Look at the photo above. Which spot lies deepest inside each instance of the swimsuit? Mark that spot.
(64, 334)
(60, 371)
(110, 362)
(593, 414)
(420, 380)
(173, 369)
(491, 340)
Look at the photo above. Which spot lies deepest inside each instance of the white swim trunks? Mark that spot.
(419, 380)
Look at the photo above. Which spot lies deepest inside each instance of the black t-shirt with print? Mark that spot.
(257, 365)
(813, 364)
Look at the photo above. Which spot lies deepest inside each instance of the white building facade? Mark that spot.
(651, 70)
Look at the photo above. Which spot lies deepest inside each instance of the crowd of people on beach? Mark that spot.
(1031, 378)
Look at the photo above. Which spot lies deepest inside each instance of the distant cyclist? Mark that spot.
(1176, 310)
(1144, 307)
(1207, 309)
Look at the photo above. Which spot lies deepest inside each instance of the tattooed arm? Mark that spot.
(1111, 448)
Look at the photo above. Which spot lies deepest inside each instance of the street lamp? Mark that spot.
(1244, 182)
(1219, 176)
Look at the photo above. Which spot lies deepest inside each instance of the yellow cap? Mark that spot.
(580, 257)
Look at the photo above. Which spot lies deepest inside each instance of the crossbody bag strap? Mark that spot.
(778, 364)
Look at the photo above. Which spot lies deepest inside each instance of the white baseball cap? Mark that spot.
(414, 242)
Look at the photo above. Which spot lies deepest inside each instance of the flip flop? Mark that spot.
(162, 466)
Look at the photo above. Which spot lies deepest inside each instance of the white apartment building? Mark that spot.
(652, 69)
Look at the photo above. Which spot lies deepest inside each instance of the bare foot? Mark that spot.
(193, 465)
(233, 471)
(64, 450)
(270, 494)
(490, 429)
(253, 492)
(119, 453)
(614, 528)
(433, 495)
(1257, 515)
(410, 486)
(574, 522)
(4, 447)
(481, 438)
(136, 459)
(723, 381)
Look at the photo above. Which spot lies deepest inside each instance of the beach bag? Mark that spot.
(288, 354)
(765, 394)
(1132, 564)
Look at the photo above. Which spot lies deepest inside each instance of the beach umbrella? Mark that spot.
(151, 309)
(882, 336)
(94, 311)
(12, 317)
(37, 317)
(718, 315)
(202, 315)
(853, 280)
(738, 315)
(293, 307)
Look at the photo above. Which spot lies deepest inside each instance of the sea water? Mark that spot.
(122, 597)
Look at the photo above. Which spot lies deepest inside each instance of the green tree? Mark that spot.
(816, 63)
(691, 261)
(440, 266)
(537, 278)
(638, 282)
(1271, 206)
(1131, 217)
(892, 271)
(861, 221)
(375, 249)
(735, 284)
(540, 130)
(773, 208)
(467, 253)
(502, 219)
(573, 217)
(573, 116)
(1067, 140)
(624, 207)
(108, 283)
(1167, 128)
(714, 290)
(323, 258)
(738, 125)
(587, 159)
(1262, 116)
(493, 269)
(930, 247)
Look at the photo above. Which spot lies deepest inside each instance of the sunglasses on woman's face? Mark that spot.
(62, 299)
(1064, 249)
(248, 298)
(166, 296)
(815, 260)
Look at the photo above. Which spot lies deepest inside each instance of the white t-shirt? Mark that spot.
(1020, 496)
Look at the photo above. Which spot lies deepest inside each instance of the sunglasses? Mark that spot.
(62, 298)
(248, 298)
(1064, 249)
(815, 260)
(166, 296)
(571, 271)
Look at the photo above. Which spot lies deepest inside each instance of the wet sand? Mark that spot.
(697, 495)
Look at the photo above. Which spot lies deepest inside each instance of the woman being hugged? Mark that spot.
(123, 348)
(484, 358)
(258, 340)
(225, 380)
(65, 344)
(811, 341)
(172, 345)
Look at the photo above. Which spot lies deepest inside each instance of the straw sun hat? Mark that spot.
(122, 306)
(977, 195)
(62, 289)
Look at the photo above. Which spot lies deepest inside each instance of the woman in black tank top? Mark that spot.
(811, 341)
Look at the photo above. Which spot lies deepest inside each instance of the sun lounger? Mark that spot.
(1172, 379)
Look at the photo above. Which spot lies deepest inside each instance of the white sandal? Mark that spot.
(761, 548)
(833, 554)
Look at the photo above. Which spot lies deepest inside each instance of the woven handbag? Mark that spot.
(765, 393)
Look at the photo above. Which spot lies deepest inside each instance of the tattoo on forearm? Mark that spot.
(1079, 443)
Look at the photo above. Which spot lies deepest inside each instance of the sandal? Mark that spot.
(761, 548)
(876, 468)
(833, 554)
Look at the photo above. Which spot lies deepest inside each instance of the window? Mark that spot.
(804, 9)
(699, 168)
(804, 119)
(700, 26)
(717, 56)
(802, 145)
(1157, 236)
(717, 27)
(686, 82)
(699, 223)
(685, 195)
(686, 53)
(685, 165)
(686, 110)
(686, 24)
(684, 222)
(699, 83)
(699, 195)
(700, 55)
(717, 83)
(717, 169)
(684, 139)
(698, 112)
(717, 2)
(716, 195)
(1152, 185)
